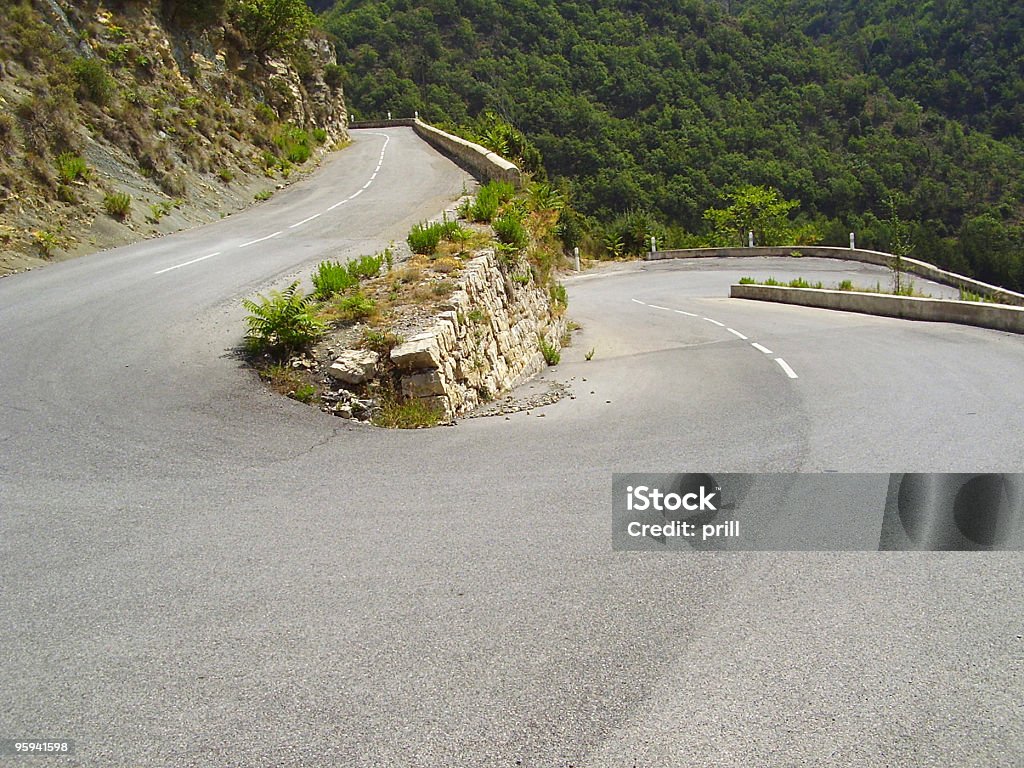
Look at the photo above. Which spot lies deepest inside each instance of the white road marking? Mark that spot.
(259, 240)
(785, 366)
(306, 220)
(374, 175)
(367, 184)
(340, 202)
(736, 333)
(688, 314)
(637, 301)
(655, 306)
(185, 264)
(715, 322)
(757, 346)
(357, 194)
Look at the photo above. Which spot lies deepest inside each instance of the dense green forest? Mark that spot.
(651, 113)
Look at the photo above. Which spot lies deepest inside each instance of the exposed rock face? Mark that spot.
(488, 342)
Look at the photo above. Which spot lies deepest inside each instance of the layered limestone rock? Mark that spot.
(487, 342)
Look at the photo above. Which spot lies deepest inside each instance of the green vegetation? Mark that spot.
(118, 205)
(590, 354)
(71, 167)
(551, 354)
(332, 277)
(668, 111)
(281, 323)
(510, 230)
(94, 82)
(263, 195)
(413, 413)
(273, 26)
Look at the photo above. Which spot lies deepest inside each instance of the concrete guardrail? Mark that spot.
(996, 316)
(912, 266)
(479, 161)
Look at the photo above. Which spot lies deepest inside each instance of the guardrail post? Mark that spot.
(576, 258)
(654, 245)
(750, 239)
(389, 114)
(853, 242)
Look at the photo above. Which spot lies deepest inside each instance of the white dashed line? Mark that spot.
(637, 301)
(357, 194)
(340, 202)
(715, 322)
(258, 240)
(736, 333)
(758, 347)
(655, 306)
(785, 366)
(185, 264)
(374, 176)
(367, 184)
(688, 314)
(305, 221)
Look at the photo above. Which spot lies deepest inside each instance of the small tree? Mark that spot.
(760, 210)
(900, 245)
(273, 26)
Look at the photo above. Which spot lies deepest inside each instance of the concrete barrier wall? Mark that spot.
(479, 161)
(1001, 318)
(912, 266)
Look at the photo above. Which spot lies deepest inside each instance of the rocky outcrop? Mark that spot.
(487, 341)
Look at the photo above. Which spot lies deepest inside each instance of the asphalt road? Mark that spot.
(196, 572)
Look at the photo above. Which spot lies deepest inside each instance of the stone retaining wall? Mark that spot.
(487, 342)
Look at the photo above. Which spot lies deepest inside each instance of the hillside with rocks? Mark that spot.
(123, 121)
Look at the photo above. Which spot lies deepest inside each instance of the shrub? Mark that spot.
(424, 238)
(71, 167)
(356, 307)
(334, 74)
(551, 354)
(294, 144)
(281, 323)
(559, 298)
(366, 267)
(226, 175)
(381, 342)
(489, 199)
(845, 285)
(94, 84)
(332, 277)
(265, 113)
(118, 205)
(510, 230)
(747, 281)
(263, 194)
(273, 25)
(319, 135)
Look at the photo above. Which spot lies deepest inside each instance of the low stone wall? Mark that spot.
(913, 266)
(479, 161)
(486, 343)
(1002, 318)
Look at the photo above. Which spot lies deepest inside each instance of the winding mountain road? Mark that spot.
(195, 572)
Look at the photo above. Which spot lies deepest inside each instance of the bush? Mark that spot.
(294, 144)
(281, 323)
(332, 277)
(71, 167)
(94, 84)
(118, 205)
(510, 230)
(366, 267)
(319, 135)
(273, 25)
(551, 354)
(424, 238)
(489, 199)
(334, 75)
(356, 307)
(559, 298)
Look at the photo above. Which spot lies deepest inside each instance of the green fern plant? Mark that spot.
(282, 323)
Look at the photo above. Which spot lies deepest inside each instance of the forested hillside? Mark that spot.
(654, 111)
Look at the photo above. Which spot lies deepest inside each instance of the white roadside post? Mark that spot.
(576, 258)
(853, 242)
(750, 239)
(417, 114)
(389, 114)
(654, 246)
